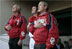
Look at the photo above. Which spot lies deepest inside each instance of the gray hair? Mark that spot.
(19, 8)
(45, 4)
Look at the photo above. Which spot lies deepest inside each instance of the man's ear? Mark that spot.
(45, 7)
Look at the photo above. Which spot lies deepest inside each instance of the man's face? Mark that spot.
(14, 8)
(41, 7)
(33, 10)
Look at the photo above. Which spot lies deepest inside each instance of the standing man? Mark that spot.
(46, 28)
(16, 28)
(31, 21)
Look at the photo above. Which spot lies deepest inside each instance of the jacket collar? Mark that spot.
(44, 13)
(17, 16)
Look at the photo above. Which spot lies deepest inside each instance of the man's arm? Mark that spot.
(7, 27)
(31, 28)
(53, 33)
(23, 30)
(31, 24)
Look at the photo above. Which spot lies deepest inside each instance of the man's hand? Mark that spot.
(19, 42)
(8, 27)
(38, 25)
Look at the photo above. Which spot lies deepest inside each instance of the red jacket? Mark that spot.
(48, 33)
(18, 27)
(32, 19)
(31, 24)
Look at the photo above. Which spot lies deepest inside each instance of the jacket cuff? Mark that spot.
(21, 38)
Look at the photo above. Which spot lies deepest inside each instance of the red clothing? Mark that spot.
(48, 33)
(31, 21)
(18, 27)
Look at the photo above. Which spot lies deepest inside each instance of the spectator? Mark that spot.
(58, 45)
(66, 45)
(70, 43)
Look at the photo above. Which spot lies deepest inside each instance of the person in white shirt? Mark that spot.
(31, 21)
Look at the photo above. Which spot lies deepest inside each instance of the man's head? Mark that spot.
(42, 6)
(34, 9)
(16, 8)
(59, 40)
(70, 41)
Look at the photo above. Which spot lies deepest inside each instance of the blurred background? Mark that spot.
(61, 9)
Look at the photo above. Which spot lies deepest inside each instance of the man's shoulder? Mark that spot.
(32, 17)
(51, 15)
(22, 17)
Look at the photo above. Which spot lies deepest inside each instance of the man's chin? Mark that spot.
(38, 11)
(14, 11)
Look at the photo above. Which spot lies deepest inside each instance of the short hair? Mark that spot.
(19, 8)
(36, 7)
(45, 4)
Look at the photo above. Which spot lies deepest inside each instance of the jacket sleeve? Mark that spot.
(53, 33)
(7, 24)
(31, 28)
(23, 29)
(31, 25)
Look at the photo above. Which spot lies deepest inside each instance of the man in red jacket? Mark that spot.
(31, 21)
(46, 28)
(16, 28)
